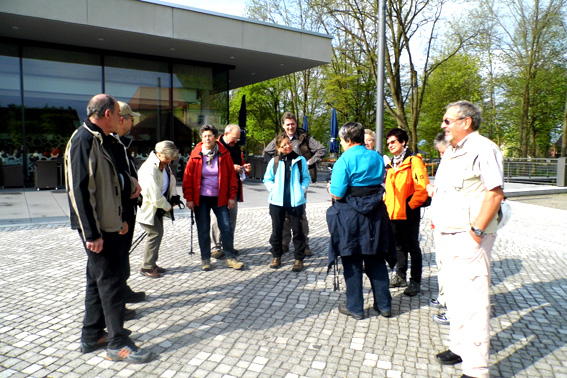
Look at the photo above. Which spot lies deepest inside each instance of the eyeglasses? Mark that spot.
(448, 121)
(393, 141)
(234, 139)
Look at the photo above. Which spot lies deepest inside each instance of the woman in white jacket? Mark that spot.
(158, 187)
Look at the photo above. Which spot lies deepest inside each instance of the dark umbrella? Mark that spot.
(305, 125)
(334, 145)
(242, 121)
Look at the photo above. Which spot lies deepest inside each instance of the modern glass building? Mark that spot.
(174, 65)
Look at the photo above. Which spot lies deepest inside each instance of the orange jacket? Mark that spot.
(408, 180)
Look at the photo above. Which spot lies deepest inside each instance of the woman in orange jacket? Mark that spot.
(406, 182)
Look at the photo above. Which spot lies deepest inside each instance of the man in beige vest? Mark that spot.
(466, 199)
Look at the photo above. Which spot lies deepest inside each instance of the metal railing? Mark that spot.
(519, 170)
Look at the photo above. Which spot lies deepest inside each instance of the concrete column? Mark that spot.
(562, 171)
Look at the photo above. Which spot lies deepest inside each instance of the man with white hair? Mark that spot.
(230, 140)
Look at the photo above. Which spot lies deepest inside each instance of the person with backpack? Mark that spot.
(406, 193)
(287, 179)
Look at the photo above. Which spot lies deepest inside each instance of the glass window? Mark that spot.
(11, 134)
(58, 85)
(145, 86)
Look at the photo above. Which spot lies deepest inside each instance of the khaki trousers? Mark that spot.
(466, 282)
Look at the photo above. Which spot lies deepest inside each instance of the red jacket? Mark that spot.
(228, 184)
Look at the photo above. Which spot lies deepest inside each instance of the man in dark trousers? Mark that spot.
(230, 140)
(126, 168)
(313, 151)
(95, 204)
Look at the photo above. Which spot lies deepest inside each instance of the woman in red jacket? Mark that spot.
(210, 184)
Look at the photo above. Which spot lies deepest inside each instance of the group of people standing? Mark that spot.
(373, 221)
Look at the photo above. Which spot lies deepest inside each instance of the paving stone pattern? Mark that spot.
(262, 322)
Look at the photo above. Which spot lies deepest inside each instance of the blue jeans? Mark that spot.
(203, 220)
(375, 268)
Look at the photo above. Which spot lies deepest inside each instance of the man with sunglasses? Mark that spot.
(466, 198)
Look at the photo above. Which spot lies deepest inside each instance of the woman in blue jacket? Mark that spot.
(287, 178)
(359, 225)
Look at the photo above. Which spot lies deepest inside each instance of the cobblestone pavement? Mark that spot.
(262, 322)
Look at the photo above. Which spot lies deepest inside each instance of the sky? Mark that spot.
(232, 7)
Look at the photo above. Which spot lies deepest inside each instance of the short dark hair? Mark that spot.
(280, 138)
(209, 128)
(400, 134)
(353, 132)
(98, 105)
(440, 141)
(288, 115)
(467, 109)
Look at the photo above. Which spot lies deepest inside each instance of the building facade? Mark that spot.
(174, 65)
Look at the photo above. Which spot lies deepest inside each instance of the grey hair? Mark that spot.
(352, 131)
(467, 109)
(440, 141)
(168, 149)
(371, 133)
(99, 104)
(229, 128)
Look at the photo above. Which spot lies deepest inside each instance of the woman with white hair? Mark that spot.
(158, 187)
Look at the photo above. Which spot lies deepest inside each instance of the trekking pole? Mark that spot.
(137, 241)
(192, 223)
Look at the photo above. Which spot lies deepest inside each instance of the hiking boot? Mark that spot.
(298, 266)
(94, 345)
(135, 297)
(397, 281)
(129, 314)
(131, 355)
(234, 264)
(308, 252)
(413, 289)
(276, 262)
(152, 273)
(206, 265)
(218, 254)
(384, 313)
(344, 310)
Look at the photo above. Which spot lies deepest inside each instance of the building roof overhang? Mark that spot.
(255, 51)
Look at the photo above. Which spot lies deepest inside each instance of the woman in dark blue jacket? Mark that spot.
(358, 223)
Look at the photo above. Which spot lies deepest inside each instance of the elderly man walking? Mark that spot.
(95, 203)
(466, 198)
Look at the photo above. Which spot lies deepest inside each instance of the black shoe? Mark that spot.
(384, 313)
(413, 289)
(135, 297)
(448, 358)
(94, 345)
(344, 310)
(129, 314)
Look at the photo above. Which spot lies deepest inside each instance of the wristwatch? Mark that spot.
(477, 231)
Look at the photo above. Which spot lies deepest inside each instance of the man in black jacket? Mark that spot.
(230, 140)
(95, 203)
(313, 151)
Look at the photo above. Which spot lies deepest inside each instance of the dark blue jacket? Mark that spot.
(360, 225)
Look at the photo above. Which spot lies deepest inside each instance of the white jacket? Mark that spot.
(151, 181)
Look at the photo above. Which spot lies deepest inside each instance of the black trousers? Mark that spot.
(407, 242)
(295, 216)
(104, 295)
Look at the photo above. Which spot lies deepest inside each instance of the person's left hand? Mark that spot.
(138, 189)
(124, 229)
(477, 239)
(231, 204)
(238, 168)
(247, 167)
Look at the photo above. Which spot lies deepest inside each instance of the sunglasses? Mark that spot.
(448, 121)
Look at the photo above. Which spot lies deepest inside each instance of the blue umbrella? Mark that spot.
(305, 125)
(334, 145)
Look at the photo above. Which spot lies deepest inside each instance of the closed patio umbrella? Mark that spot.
(242, 121)
(334, 145)
(305, 125)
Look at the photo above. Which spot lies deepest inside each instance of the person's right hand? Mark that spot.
(191, 205)
(95, 245)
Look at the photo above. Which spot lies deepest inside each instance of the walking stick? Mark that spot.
(192, 223)
(136, 242)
